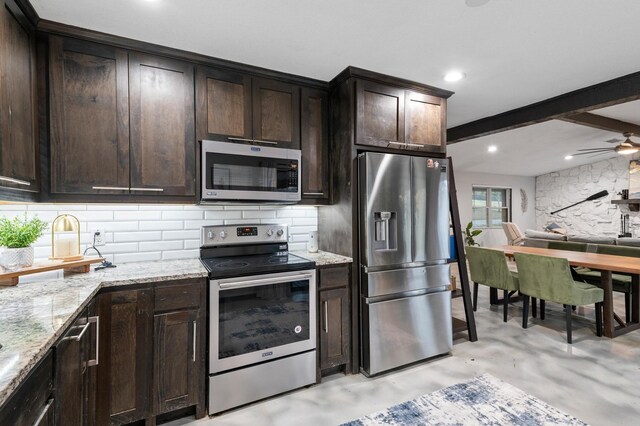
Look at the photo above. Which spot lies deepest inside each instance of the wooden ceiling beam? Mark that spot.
(612, 92)
(603, 123)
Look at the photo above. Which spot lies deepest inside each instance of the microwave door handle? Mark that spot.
(235, 283)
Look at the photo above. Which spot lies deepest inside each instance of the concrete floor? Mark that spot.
(595, 379)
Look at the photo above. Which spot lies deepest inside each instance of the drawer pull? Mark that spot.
(109, 188)
(407, 144)
(44, 412)
(147, 189)
(14, 180)
(78, 337)
(317, 194)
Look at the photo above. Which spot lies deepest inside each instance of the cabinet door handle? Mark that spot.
(78, 337)
(317, 194)
(110, 188)
(326, 316)
(253, 140)
(147, 189)
(14, 180)
(95, 319)
(406, 144)
(195, 328)
(44, 412)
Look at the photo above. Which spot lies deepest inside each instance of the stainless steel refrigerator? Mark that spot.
(405, 307)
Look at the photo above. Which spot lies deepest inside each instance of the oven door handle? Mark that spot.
(228, 284)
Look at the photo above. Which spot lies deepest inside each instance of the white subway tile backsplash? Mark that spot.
(124, 237)
(226, 214)
(181, 235)
(182, 215)
(158, 225)
(147, 232)
(259, 214)
(137, 215)
(161, 245)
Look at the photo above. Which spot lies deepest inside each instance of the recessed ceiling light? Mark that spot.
(452, 76)
(492, 148)
(568, 157)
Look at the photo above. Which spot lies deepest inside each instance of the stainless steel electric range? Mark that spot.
(262, 314)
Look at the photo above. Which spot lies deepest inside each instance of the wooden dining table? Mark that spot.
(607, 264)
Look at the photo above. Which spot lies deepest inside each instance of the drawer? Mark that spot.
(178, 296)
(334, 277)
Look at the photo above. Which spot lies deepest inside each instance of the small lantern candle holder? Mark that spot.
(65, 238)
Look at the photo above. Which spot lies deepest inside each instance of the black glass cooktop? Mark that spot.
(236, 266)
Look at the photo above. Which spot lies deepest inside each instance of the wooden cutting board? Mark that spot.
(74, 266)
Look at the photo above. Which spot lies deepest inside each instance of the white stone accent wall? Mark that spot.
(142, 232)
(594, 218)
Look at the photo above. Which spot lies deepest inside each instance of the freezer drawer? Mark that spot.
(401, 331)
(406, 279)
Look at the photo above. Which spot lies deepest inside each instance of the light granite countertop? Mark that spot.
(323, 258)
(34, 315)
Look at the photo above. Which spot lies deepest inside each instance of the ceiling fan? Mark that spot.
(625, 148)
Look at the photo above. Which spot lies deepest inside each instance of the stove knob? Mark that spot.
(269, 232)
(223, 234)
(280, 232)
(210, 235)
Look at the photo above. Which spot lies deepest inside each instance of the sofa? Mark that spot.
(575, 242)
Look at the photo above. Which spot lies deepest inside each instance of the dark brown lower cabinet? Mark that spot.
(152, 352)
(73, 360)
(334, 328)
(32, 403)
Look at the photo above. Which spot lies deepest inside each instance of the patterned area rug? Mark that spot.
(484, 400)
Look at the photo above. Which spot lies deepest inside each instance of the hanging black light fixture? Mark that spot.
(600, 194)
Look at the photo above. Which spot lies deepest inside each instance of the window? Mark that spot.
(491, 206)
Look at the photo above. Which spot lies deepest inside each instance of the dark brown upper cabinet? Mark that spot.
(276, 113)
(380, 115)
(122, 123)
(223, 106)
(426, 122)
(89, 89)
(18, 106)
(238, 108)
(162, 131)
(314, 144)
(399, 114)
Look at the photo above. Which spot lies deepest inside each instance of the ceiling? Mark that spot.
(514, 52)
(540, 148)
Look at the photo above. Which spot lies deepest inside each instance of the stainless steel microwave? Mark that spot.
(245, 173)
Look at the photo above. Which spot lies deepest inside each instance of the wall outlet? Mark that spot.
(98, 234)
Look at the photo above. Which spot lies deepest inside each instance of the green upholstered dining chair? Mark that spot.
(489, 267)
(621, 282)
(549, 278)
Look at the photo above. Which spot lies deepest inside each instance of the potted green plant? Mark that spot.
(17, 235)
(470, 234)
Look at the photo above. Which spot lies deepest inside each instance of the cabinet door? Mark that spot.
(126, 351)
(18, 141)
(176, 360)
(425, 122)
(380, 115)
(334, 327)
(70, 375)
(276, 113)
(315, 146)
(163, 148)
(89, 118)
(223, 104)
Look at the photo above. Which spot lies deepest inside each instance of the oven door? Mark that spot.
(241, 172)
(261, 317)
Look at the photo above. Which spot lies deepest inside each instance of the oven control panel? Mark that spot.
(219, 235)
